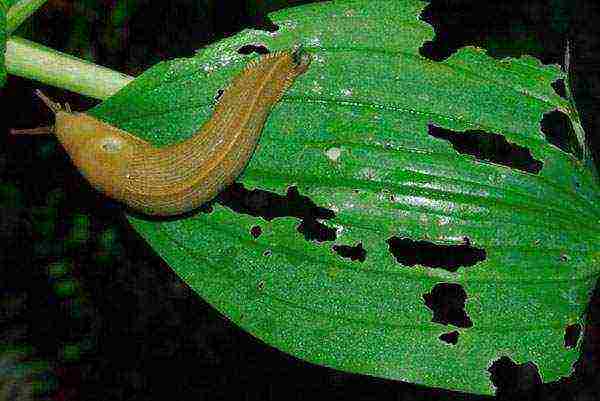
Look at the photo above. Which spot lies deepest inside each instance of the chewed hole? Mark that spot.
(428, 254)
(264, 23)
(450, 338)
(560, 88)
(572, 333)
(447, 301)
(559, 131)
(253, 48)
(255, 231)
(356, 252)
(206, 208)
(490, 147)
(269, 206)
(218, 95)
(511, 378)
(314, 230)
(488, 25)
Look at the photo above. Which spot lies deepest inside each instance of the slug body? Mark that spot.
(180, 177)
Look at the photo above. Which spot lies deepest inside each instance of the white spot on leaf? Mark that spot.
(333, 153)
(443, 220)
(316, 42)
(317, 88)
(318, 58)
(367, 173)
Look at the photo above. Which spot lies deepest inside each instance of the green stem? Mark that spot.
(34, 61)
(19, 13)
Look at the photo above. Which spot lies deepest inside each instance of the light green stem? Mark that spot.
(19, 13)
(34, 61)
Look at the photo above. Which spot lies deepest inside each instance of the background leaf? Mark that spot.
(3, 11)
(353, 135)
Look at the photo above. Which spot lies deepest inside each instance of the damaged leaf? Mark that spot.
(3, 38)
(347, 158)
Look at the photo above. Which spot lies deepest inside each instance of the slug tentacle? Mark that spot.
(178, 178)
(52, 105)
(55, 107)
(47, 130)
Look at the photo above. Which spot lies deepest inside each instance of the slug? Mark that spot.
(174, 179)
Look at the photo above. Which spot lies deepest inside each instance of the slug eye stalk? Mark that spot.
(52, 105)
(55, 107)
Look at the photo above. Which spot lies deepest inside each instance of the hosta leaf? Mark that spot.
(372, 222)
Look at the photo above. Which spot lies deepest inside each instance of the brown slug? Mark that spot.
(174, 179)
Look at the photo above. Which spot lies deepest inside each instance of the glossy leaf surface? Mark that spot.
(371, 134)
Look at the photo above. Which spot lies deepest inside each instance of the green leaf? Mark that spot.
(7, 4)
(3, 37)
(20, 10)
(352, 134)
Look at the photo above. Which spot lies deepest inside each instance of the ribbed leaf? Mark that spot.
(362, 134)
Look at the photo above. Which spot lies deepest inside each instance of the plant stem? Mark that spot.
(34, 61)
(19, 13)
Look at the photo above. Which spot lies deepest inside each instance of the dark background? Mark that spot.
(89, 311)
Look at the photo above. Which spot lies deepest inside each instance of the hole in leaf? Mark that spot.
(510, 378)
(206, 208)
(559, 88)
(447, 301)
(269, 205)
(572, 333)
(493, 26)
(432, 50)
(267, 253)
(356, 252)
(559, 131)
(450, 338)
(218, 95)
(262, 22)
(252, 48)
(489, 147)
(255, 231)
(314, 230)
(425, 253)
